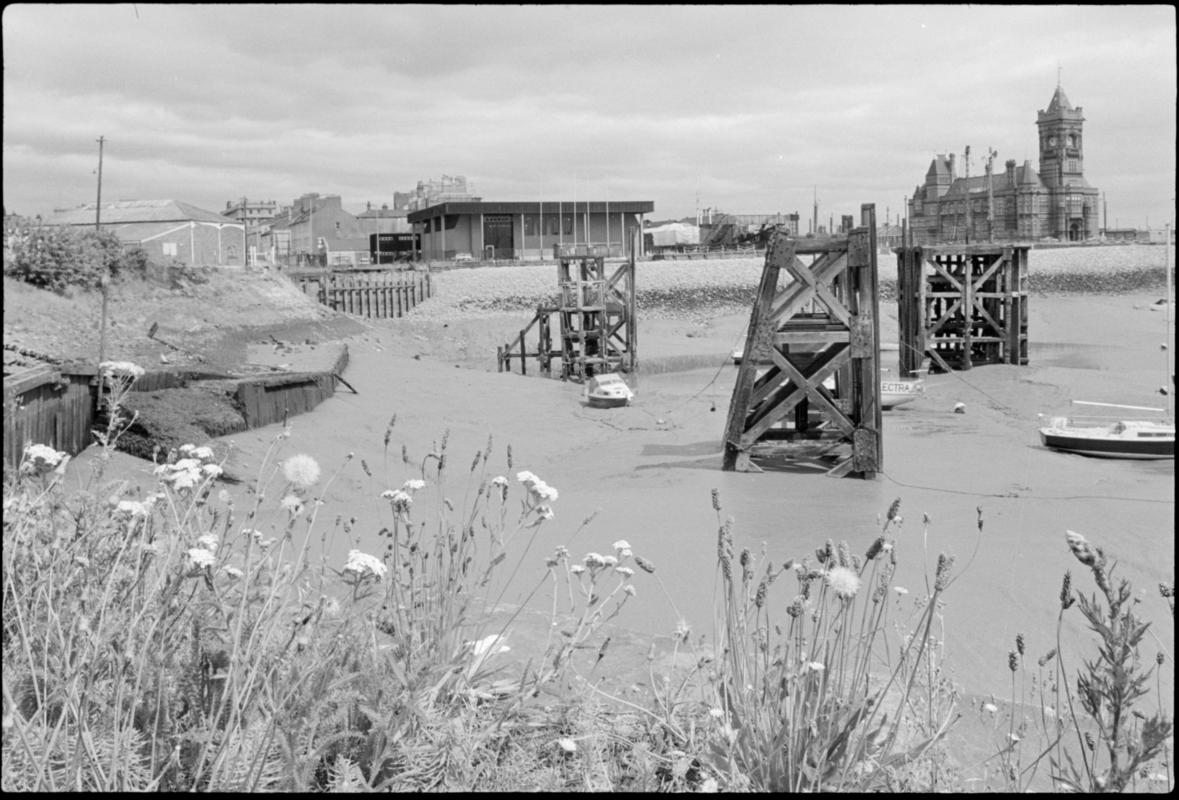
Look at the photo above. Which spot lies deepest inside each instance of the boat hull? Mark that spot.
(1112, 447)
(606, 402)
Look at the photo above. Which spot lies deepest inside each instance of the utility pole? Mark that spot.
(967, 185)
(104, 281)
(815, 219)
(991, 153)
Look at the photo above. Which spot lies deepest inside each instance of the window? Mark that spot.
(568, 224)
(551, 225)
(531, 225)
(170, 249)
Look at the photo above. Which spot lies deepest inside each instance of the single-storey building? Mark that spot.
(169, 231)
(484, 231)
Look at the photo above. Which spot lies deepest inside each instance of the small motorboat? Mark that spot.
(1111, 438)
(607, 391)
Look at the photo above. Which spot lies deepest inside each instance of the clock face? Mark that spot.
(1052, 141)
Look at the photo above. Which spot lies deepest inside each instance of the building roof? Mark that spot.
(938, 168)
(124, 211)
(532, 207)
(1059, 102)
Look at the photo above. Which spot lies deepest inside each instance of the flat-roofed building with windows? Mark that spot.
(524, 230)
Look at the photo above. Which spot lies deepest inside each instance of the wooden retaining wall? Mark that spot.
(382, 294)
(276, 398)
(45, 406)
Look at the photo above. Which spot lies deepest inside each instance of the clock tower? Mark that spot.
(1071, 206)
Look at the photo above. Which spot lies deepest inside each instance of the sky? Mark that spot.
(742, 109)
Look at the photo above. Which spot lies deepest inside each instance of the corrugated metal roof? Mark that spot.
(126, 211)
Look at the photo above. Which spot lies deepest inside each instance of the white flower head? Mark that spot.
(121, 369)
(625, 572)
(901, 590)
(292, 504)
(815, 666)
(500, 481)
(204, 453)
(629, 590)
(209, 541)
(301, 470)
(400, 499)
(576, 569)
(525, 477)
(200, 557)
(990, 708)
(413, 484)
(212, 470)
(844, 581)
(133, 509)
(621, 544)
(362, 565)
(545, 512)
(567, 744)
(40, 459)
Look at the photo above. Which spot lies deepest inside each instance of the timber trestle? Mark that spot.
(959, 306)
(820, 323)
(596, 331)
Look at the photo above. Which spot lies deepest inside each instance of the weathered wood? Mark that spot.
(50, 408)
(823, 323)
(380, 294)
(962, 306)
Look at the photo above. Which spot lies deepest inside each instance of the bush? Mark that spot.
(56, 257)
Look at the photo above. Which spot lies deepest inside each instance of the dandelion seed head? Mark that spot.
(843, 581)
(301, 470)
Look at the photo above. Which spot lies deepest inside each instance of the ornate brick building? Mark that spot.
(1018, 204)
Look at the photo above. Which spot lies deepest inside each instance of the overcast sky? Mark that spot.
(747, 109)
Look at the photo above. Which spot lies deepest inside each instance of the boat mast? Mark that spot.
(1168, 370)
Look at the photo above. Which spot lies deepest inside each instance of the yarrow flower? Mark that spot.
(133, 508)
(815, 666)
(400, 499)
(292, 504)
(538, 490)
(361, 566)
(621, 544)
(204, 452)
(209, 541)
(200, 557)
(843, 581)
(183, 474)
(40, 458)
(413, 484)
(301, 470)
(121, 369)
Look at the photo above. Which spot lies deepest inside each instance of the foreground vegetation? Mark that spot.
(164, 642)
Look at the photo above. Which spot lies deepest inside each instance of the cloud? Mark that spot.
(751, 107)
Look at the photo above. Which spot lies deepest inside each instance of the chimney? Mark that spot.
(953, 176)
(1011, 171)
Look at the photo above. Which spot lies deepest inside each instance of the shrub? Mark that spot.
(58, 257)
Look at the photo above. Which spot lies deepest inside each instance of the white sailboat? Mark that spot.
(1122, 436)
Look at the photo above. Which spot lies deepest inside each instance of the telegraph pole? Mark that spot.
(104, 281)
(967, 185)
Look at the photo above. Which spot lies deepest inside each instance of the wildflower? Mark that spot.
(1044, 659)
(121, 369)
(204, 453)
(200, 557)
(500, 481)
(400, 499)
(709, 786)
(815, 666)
(990, 708)
(525, 477)
(944, 564)
(629, 590)
(894, 510)
(1066, 591)
(209, 541)
(133, 509)
(901, 590)
(292, 504)
(212, 470)
(716, 713)
(232, 572)
(593, 561)
(301, 470)
(609, 561)
(1012, 661)
(361, 565)
(682, 630)
(40, 459)
(1086, 553)
(413, 484)
(577, 569)
(1019, 643)
(545, 512)
(621, 544)
(644, 564)
(875, 548)
(843, 581)
(567, 744)
(625, 572)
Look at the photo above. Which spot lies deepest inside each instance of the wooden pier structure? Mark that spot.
(821, 322)
(962, 305)
(596, 319)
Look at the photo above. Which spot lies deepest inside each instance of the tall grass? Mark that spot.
(164, 642)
